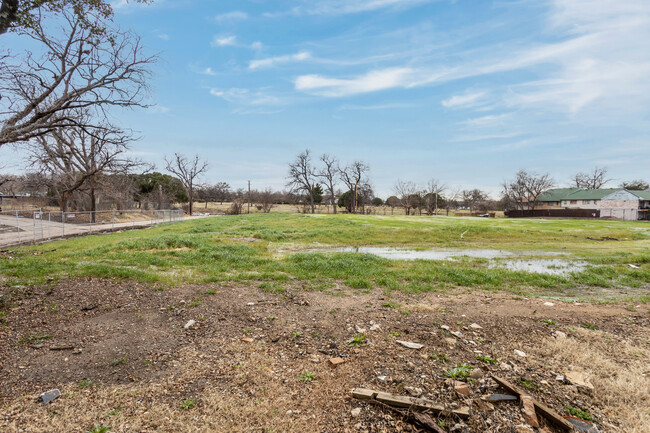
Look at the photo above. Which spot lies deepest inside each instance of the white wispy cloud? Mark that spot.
(370, 82)
(246, 97)
(208, 71)
(231, 16)
(375, 107)
(272, 61)
(487, 121)
(342, 7)
(224, 41)
(464, 101)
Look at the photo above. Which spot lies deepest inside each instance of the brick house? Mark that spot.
(626, 205)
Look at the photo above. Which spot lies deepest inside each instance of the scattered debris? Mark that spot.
(445, 327)
(60, 348)
(528, 410)
(633, 266)
(49, 396)
(475, 326)
(355, 412)
(189, 324)
(247, 339)
(559, 334)
(403, 401)
(457, 334)
(582, 426)
(414, 392)
(375, 327)
(359, 329)
(544, 410)
(250, 304)
(520, 353)
(462, 388)
(524, 429)
(549, 304)
(502, 397)
(416, 346)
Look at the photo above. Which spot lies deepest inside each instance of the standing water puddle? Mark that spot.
(517, 263)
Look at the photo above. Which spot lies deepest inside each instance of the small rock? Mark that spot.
(457, 427)
(543, 382)
(445, 327)
(559, 334)
(247, 339)
(462, 388)
(504, 366)
(548, 304)
(450, 341)
(49, 396)
(359, 329)
(520, 353)
(477, 373)
(375, 327)
(528, 410)
(250, 304)
(189, 324)
(524, 429)
(382, 378)
(334, 362)
(457, 334)
(355, 412)
(414, 392)
(581, 380)
(38, 346)
(410, 345)
(289, 412)
(475, 326)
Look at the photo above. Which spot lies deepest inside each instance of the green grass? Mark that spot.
(487, 360)
(188, 404)
(34, 338)
(207, 250)
(579, 413)
(99, 429)
(357, 340)
(459, 372)
(306, 376)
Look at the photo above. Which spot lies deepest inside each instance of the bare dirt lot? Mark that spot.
(124, 359)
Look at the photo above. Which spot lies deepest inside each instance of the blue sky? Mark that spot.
(466, 92)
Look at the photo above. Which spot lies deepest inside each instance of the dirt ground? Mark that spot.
(127, 361)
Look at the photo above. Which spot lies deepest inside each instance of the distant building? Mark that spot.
(617, 203)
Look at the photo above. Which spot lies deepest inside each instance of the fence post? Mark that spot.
(18, 226)
(49, 224)
(34, 225)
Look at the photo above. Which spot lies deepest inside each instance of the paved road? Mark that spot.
(42, 230)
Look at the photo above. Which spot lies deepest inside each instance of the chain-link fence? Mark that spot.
(35, 225)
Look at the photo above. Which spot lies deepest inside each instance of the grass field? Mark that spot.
(268, 250)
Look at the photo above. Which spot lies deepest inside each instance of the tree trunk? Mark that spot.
(191, 200)
(93, 205)
(311, 200)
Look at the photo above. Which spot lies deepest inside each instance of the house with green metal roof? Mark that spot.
(615, 203)
(626, 205)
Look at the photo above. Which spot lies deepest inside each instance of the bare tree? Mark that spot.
(595, 179)
(452, 198)
(330, 176)
(473, 198)
(354, 176)
(405, 191)
(266, 200)
(80, 70)
(526, 188)
(187, 171)
(432, 195)
(74, 158)
(301, 177)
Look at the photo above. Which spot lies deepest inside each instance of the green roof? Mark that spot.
(645, 195)
(591, 194)
(557, 194)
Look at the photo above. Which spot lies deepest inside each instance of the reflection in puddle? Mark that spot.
(517, 261)
(541, 266)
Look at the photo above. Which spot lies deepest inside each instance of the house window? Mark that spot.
(586, 201)
(574, 201)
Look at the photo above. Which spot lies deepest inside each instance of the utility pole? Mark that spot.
(249, 196)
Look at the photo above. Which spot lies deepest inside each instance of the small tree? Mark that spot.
(187, 171)
(433, 196)
(636, 185)
(329, 174)
(405, 191)
(526, 188)
(301, 177)
(377, 201)
(354, 176)
(595, 179)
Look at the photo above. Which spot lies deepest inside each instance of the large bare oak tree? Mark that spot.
(187, 170)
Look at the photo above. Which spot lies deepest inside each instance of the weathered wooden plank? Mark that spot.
(548, 413)
(404, 401)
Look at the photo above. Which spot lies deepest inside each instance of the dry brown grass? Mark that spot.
(617, 367)
(242, 394)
